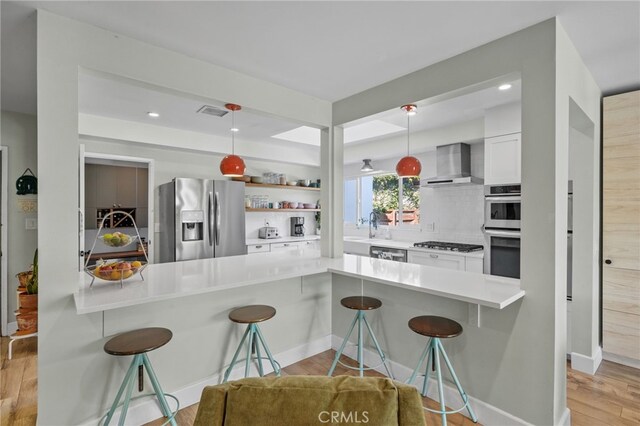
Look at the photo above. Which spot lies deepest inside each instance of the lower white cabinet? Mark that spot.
(449, 261)
(438, 260)
(258, 248)
(313, 244)
(295, 245)
(473, 264)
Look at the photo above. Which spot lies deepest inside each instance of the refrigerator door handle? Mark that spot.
(211, 207)
(217, 203)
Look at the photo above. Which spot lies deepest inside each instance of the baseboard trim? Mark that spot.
(619, 359)
(12, 327)
(146, 409)
(487, 414)
(585, 363)
(565, 420)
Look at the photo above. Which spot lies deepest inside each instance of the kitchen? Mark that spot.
(505, 331)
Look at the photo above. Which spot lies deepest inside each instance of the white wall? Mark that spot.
(533, 332)
(70, 345)
(19, 135)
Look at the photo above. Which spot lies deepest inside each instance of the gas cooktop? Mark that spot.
(441, 245)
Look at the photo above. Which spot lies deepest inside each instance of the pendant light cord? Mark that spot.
(408, 133)
(233, 133)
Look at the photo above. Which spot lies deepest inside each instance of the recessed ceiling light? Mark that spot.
(506, 86)
(153, 114)
(235, 129)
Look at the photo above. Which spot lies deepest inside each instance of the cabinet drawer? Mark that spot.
(438, 260)
(286, 246)
(258, 248)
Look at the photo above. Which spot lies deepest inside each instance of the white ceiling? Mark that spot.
(329, 49)
(131, 101)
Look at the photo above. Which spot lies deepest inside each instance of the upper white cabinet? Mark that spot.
(502, 159)
(502, 144)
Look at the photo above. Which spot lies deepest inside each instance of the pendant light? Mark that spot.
(409, 166)
(366, 167)
(232, 165)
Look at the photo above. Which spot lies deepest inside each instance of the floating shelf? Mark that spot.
(269, 185)
(281, 210)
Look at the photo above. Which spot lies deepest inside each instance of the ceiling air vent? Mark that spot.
(211, 110)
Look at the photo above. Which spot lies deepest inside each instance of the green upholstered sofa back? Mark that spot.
(310, 400)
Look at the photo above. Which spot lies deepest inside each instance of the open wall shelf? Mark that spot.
(269, 185)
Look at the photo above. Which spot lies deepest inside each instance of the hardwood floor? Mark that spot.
(611, 397)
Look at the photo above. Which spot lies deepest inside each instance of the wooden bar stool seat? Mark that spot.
(252, 315)
(437, 328)
(361, 304)
(138, 343)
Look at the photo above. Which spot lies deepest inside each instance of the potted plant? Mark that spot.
(27, 317)
(318, 220)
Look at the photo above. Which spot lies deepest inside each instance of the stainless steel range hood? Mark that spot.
(453, 167)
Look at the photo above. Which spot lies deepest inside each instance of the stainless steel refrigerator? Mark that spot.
(201, 219)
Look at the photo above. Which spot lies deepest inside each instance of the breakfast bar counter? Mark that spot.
(175, 280)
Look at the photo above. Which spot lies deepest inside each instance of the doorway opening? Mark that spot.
(110, 183)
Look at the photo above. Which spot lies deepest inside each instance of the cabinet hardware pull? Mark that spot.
(608, 261)
(258, 247)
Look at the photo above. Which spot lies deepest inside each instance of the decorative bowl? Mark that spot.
(304, 182)
(309, 206)
(117, 239)
(292, 182)
(293, 205)
(115, 270)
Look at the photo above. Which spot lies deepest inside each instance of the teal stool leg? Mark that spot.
(439, 374)
(420, 361)
(276, 369)
(235, 356)
(344, 343)
(247, 364)
(127, 378)
(463, 394)
(158, 389)
(427, 372)
(127, 396)
(360, 345)
(256, 345)
(375, 342)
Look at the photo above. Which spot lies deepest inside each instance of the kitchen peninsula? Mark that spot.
(180, 279)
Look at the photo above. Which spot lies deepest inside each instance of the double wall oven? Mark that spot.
(502, 207)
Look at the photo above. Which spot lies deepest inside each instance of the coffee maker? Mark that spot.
(297, 226)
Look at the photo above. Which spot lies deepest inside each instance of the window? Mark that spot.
(384, 195)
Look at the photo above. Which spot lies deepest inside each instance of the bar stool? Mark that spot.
(437, 328)
(252, 315)
(361, 304)
(138, 343)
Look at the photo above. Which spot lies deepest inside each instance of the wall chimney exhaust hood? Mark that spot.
(453, 167)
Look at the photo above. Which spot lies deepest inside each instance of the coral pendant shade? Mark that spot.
(232, 166)
(408, 167)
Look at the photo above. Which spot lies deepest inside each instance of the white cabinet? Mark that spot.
(287, 246)
(313, 244)
(473, 264)
(502, 159)
(258, 248)
(438, 260)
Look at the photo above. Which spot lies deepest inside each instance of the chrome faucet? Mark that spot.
(373, 220)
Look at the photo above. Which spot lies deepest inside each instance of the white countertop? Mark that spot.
(408, 245)
(486, 290)
(254, 241)
(174, 280)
